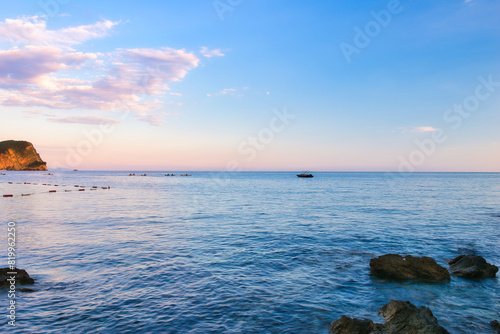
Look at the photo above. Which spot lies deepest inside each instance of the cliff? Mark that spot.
(20, 155)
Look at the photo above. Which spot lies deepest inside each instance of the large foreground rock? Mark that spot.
(471, 266)
(496, 325)
(404, 317)
(396, 267)
(22, 277)
(401, 318)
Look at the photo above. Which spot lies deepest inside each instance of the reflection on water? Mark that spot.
(255, 253)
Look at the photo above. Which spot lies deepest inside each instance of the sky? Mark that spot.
(261, 85)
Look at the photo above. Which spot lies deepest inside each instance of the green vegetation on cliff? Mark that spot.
(17, 145)
(20, 155)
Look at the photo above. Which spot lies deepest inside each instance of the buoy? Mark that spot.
(8, 195)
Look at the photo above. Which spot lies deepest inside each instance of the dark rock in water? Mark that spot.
(21, 277)
(496, 325)
(400, 318)
(346, 325)
(404, 317)
(396, 267)
(472, 266)
(26, 290)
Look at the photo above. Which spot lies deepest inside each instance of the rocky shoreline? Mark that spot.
(402, 317)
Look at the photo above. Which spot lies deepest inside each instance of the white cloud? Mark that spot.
(225, 91)
(33, 31)
(46, 72)
(211, 53)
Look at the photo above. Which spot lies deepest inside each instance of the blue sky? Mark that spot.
(200, 79)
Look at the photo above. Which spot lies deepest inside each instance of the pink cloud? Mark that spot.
(36, 113)
(31, 76)
(90, 120)
(419, 129)
(151, 119)
(27, 65)
(46, 76)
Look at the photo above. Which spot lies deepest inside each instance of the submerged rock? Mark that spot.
(472, 266)
(496, 325)
(21, 277)
(401, 318)
(396, 267)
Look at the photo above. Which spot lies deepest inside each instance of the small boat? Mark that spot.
(169, 174)
(75, 170)
(131, 174)
(305, 174)
(186, 175)
(2, 173)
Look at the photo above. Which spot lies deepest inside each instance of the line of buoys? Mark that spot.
(80, 188)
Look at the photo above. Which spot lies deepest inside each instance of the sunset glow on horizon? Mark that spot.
(254, 86)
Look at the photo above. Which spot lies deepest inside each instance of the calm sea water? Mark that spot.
(244, 252)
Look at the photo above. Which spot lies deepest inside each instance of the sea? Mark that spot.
(241, 252)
